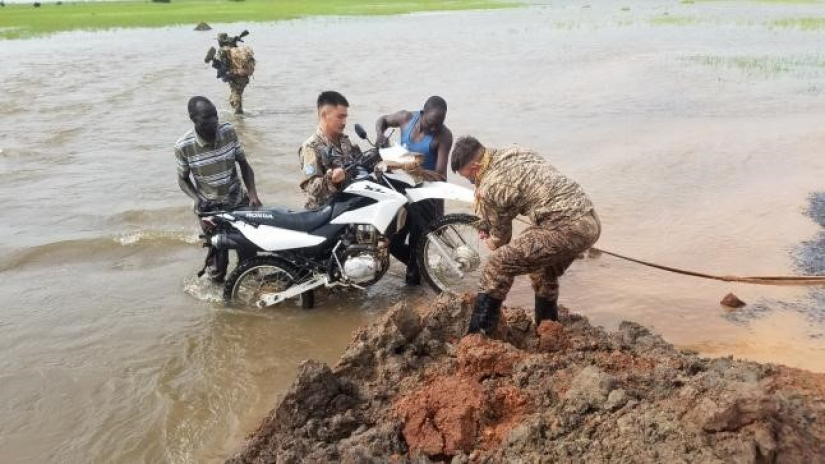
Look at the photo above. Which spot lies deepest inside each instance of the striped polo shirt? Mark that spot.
(212, 165)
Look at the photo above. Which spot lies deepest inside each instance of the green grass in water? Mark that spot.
(673, 20)
(805, 24)
(21, 21)
(763, 65)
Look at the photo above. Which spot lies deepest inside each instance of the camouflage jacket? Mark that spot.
(223, 55)
(520, 182)
(317, 157)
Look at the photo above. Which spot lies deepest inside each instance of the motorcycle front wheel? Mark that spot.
(257, 276)
(451, 254)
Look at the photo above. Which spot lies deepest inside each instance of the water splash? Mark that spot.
(201, 288)
(141, 236)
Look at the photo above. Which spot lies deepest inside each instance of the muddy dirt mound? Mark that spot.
(410, 388)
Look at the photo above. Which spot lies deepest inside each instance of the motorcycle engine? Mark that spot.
(365, 257)
(361, 268)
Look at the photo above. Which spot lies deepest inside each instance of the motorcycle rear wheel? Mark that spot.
(451, 254)
(259, 275)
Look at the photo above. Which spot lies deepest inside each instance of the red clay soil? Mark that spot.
(411, 388)
(442, 417)
(445, 416)
(551, 337)
(790, 378)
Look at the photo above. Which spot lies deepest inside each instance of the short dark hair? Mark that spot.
(331, 97)
(464, 151)
(193, 103)
(436, 103)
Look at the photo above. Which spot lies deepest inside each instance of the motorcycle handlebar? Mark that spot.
(368, 160)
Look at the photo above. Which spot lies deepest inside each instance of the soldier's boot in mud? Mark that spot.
(413, 275)
(546, 309)
(485, 316)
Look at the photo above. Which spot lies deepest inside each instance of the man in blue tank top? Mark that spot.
(421, 132)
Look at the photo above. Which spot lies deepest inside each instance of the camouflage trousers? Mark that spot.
(544, 252)
(236, 88)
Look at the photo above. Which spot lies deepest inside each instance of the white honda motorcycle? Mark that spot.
(346, 242)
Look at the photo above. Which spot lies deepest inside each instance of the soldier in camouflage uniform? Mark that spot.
(516, 181)
(223, 64)
(323, 155)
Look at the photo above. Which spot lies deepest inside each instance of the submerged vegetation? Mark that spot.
(21, 21)
(672, 20)
(806, 24)
(763, 65)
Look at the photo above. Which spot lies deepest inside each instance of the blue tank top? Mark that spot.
(422, 147)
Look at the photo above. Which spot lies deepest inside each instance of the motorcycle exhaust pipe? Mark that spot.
(231, 242)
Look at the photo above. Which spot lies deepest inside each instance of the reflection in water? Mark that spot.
(811, 254)
(809, 258)
(697, 151)
(769, 337)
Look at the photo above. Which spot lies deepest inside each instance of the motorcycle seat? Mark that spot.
(301, 221)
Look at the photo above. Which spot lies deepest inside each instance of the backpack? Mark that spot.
(242, 61)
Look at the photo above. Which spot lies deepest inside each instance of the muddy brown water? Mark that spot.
(700, 142)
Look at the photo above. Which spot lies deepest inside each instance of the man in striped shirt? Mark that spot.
(206, 157)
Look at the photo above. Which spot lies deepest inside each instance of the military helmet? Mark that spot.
(223, 37)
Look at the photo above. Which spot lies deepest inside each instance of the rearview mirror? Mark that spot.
(360, 131)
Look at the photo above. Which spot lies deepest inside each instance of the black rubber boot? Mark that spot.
(485, 314)
(413, 276)
(218, 266)
(546, 309)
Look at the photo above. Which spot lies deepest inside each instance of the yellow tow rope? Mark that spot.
(755, 280)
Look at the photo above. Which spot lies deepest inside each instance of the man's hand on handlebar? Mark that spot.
(337, 175)
(204, 207)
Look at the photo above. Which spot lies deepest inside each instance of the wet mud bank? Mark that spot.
(410, 388)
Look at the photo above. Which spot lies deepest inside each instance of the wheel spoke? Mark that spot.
(453, 254)
(258, 280)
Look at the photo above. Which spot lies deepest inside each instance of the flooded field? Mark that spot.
(697, 129)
